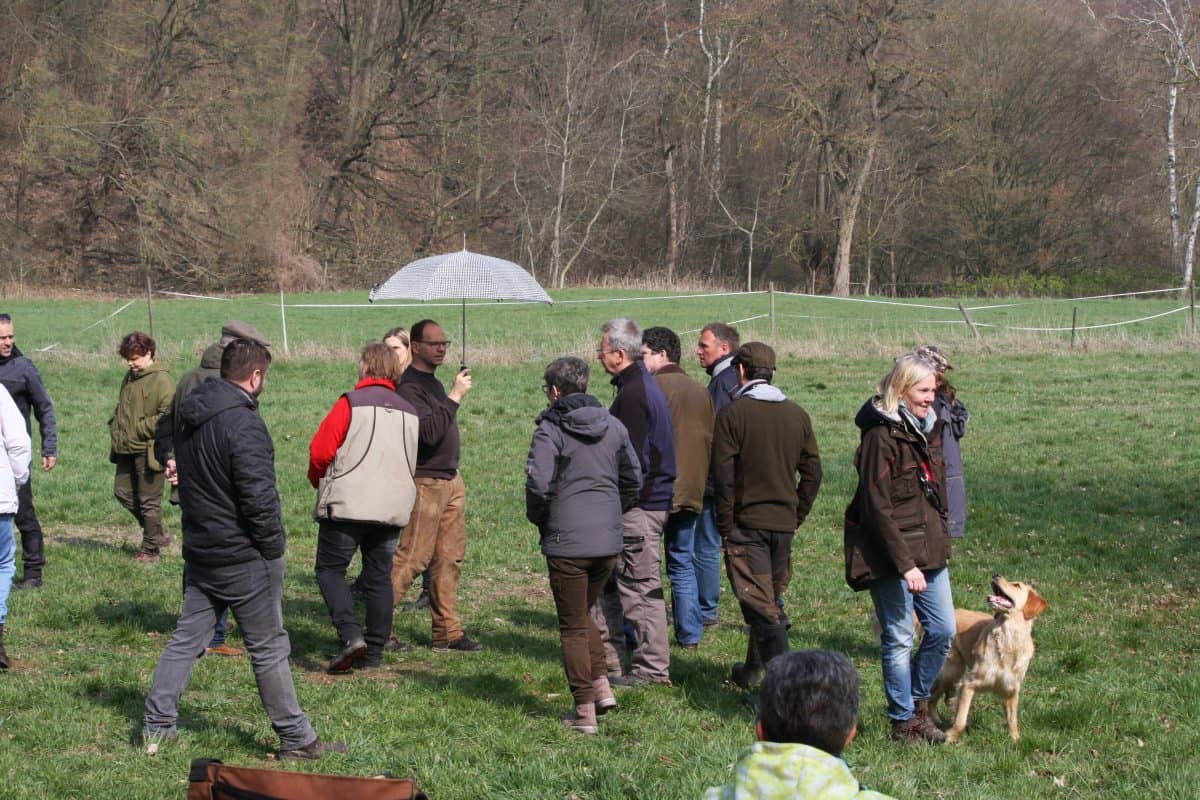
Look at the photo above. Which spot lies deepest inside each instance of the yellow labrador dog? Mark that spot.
(990, 653)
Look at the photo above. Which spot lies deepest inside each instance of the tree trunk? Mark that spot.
(841, 273)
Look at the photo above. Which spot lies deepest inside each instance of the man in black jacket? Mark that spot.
(233, 544)
(21, 378)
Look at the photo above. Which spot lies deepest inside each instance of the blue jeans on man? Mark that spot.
(8, 562)
(706, 558)
(254, 592)
(907, 679)
(679, 535)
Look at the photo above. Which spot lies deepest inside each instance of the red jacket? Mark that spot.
(332, 432)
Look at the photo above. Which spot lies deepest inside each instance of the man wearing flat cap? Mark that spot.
(164, 434)
(761, 442)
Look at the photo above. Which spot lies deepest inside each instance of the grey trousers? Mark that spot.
(254, 592)
(637, 598)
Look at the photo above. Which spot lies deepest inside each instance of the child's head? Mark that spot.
(809, 697)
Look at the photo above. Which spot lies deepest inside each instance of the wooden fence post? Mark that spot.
(771, 290)
(283, 320)
(1192, 294)
(1074, 312)
(149, 306)
(970, 323)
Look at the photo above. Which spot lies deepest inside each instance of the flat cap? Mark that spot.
(755, 355)
(238, 329)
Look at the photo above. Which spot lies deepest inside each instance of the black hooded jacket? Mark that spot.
(227, 493)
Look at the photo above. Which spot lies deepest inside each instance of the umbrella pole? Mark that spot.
(463, 357)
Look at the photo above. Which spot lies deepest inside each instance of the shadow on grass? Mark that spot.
(130, 702)
(144, 616)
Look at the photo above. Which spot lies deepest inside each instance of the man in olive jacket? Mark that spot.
(761, 442)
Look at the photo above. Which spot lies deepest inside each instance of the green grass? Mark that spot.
(1081, 472)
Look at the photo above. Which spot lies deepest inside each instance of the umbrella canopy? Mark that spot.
(461, 275)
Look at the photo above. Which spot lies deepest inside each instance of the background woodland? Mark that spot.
(839, 146)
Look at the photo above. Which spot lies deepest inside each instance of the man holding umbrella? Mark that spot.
(436, 535)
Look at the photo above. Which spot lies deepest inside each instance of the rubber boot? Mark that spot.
(748, 674)
(772, 641)
(605, 701)
(4, 662)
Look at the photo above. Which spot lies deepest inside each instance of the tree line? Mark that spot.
(840, 146)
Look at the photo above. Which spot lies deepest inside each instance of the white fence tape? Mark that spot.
(110, 316)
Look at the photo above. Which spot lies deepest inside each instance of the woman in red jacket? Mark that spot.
(361, 462)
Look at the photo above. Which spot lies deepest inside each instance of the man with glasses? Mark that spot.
(436, 535)
(638, 594)
(21, 378)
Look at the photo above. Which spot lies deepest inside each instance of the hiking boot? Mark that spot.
(913, 731)
(749, 673)
(583, 719)
(353, 652)
(28, 582)
(313, 750)
(929, 730)
(4, 662)
(463, 644)
(224, 649)
(396, 645)
(146, 558)
(420, 604)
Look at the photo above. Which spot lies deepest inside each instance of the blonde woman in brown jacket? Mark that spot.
(896, 539)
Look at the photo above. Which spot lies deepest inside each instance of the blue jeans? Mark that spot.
(706, 557)
(679, 534)
(8, 562)
(254, 592)
(907, 679)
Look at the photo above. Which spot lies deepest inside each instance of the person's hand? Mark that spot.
(915, 580)
(462, 385)
(171, 472)
(48, 462)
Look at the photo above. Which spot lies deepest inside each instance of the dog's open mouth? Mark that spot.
(999, 601)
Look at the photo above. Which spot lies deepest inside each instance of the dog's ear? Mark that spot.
(1034, 604)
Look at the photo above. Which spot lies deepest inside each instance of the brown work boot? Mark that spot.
(907, 731)
(931, 732)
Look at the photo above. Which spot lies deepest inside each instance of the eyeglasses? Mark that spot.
(601, 353)
(441, 344)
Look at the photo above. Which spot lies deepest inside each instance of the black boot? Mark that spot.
(772, 641)
(32, 580)
(747, 674)
(4, 662)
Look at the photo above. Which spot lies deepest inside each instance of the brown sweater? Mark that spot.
(759, 446)
(692, 420)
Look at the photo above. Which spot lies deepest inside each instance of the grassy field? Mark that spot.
(1081, 470)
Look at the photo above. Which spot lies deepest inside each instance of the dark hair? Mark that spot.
(418, 330)
(568, 374)
(723, 333)
(5, 317)
(809, 697)
(660, 339)
(946, 387)
(755, 373)
(378, 361)
(136, 344)
(242, 357)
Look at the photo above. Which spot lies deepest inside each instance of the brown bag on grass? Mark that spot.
(212, 780)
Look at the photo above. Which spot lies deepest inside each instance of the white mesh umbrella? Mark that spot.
(464, 275)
